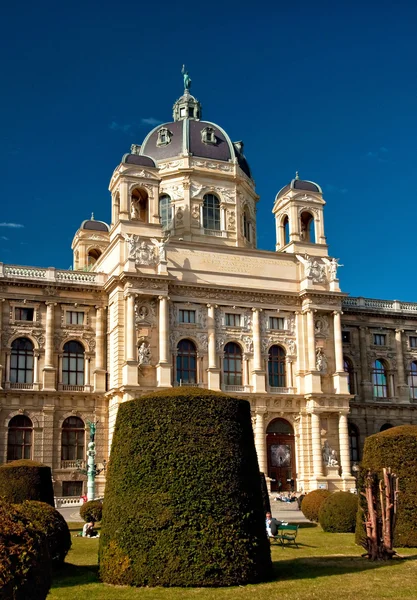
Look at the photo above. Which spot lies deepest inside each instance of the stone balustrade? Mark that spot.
(383, 305)
(51, 275)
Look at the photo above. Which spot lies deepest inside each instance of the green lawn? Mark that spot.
(326, 566)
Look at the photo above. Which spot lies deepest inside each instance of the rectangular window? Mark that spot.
(23, 314)
(379, 339)
(276, 323)
(74, 317)
(232, 320)
(72, 488)
(346, 337)
(186, 316)
(413, 341)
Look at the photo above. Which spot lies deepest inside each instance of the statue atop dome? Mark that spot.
(187, 78)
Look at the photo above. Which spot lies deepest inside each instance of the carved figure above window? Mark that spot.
(208, 136)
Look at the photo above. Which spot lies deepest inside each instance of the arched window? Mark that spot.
(286, 226)
(73, 439)
(139, 206)
(280, 426)
(412, 380)
(73, 364)
(246, 226)
(307, 227)
(276, 367)
(19, 438)
(354, 443)
(348, 367)
(165, 211)
(379, 379)
(93, 256)
(232, 364)
(21, 361)
(386, 426)
(186, 362)
(211, 212)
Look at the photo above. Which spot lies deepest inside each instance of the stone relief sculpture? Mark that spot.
(144, 354)
(313, 269)
(329, 456)
(321, 361)
(321, 326)
(143, 253)
(248, 341)
(161, 247)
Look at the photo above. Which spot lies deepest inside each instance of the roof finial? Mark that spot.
(92, 216)
(187, 78)
(296, 175)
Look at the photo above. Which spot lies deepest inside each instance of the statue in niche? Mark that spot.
(134, 209)
(144, 354)
(321, 361)
(329, 456)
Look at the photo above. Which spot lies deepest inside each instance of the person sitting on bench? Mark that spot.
(271, 525)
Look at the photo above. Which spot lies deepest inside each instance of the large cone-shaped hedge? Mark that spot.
(22, 480)
(395, 448)
(183, 501)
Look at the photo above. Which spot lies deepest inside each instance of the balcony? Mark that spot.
(21, 386)
(279, 390)
(73, 388)
(72, 464)
(237, 388)
(51, 275)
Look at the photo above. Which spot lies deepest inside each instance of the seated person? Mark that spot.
(88, 530)
(271, 525)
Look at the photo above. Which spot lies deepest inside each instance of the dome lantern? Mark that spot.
(186, 107)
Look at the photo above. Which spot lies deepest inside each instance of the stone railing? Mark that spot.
(383, 305)
(279, 390)
(67, 501)
(72, 464)
(237, 388)
(51, 275)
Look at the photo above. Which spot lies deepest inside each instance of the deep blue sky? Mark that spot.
(327, 88)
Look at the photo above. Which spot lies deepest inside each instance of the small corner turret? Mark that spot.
(89, 243)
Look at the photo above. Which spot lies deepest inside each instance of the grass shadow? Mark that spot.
(69, 575)
(325, 566)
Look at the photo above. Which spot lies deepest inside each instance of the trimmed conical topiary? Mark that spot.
(395, 448)
(24, 479)
(183, 501)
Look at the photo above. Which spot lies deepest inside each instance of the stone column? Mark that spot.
(100, 368)
(366, 384)
(344, 445)
(260, 440)
(213, 370)
(258, 374)
(2, 300)
(311, 341)
(86, 370)
(403, 390)
(340, 378)
(7, 369)
(164, 366)
(316, 445)
(130, 346)
(290, 382)
(49, 370)
(36, 370)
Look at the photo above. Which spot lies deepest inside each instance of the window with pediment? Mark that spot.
(208, 136)
(164, 137)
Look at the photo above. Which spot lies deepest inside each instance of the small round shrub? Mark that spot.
(395, 448)
(310, 504)
(22, 480)
(51, 523)
(183, 501)
(91, 511)
(265, 495)
(337, 514)
(25, 564)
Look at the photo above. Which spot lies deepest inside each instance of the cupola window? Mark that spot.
(208, 136)
(164, 137)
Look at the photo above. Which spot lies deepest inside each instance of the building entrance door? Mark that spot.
(281, 456)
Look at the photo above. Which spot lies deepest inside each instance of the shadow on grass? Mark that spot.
(325, 566)
(69, 575)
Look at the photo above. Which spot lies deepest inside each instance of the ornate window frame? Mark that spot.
(164, 137)
(208, 136)
(24, 304)
(67, 308)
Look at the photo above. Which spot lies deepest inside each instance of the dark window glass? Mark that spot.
(21, 361)
(246, 227)
(386, 426)
(19, 438)
(276, 367)
(186, 316)
(286, 225)
(165, 211)
(276, 323)
(72, 488)
(186, 362)
(73, 436)
(232, 320)
(75, 317)
(73, 364)
(232, 364)
(379, 339)
(211, 212)
(379, 380)
(412, 380)
(413, 341)
(23, 314)
(353, 443)
(346, 337)
(348, 367)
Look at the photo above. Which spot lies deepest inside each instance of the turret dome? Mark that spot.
(300, 184)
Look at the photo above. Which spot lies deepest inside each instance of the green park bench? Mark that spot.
(287, 535)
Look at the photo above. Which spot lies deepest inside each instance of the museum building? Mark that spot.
(175, 292)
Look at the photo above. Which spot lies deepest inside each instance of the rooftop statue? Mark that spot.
(187, 78)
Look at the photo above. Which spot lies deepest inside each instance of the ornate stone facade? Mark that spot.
(175, 292)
